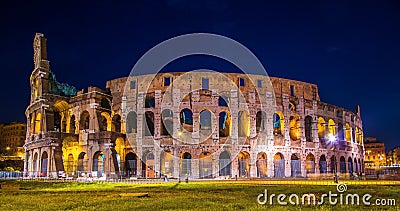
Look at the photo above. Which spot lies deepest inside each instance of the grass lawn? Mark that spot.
(36, 195)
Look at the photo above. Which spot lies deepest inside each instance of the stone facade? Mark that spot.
(12, 138)
(187, 125)
(375, 155)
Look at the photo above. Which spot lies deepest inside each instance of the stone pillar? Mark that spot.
(287, 165)
(215, 165)
(176, 161)
(195, 169)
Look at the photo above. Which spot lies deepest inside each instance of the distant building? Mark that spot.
(393, 157)
(12, 138)
(374, 152)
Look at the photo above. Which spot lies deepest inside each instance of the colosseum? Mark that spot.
(186, 125)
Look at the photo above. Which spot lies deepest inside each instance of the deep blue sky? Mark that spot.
(349, 48)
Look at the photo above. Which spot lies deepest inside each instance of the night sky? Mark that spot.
(349, 48)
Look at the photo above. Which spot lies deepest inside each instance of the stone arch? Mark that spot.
(186, 164)
(105, 103)
(84, 120)
(148, 123)
(82, 163)
(98, 164)
(205, 164)
(148, 165)
(104, 121)
(243, 124)
(340, 132)
(225, 164)
(261, 117)
(131, 122)
(278, 123)
(262, 168)
(225, 124)
(348, 132)
(38, 120)
(44, 162)
(295, 165)
(116, 123)
(279, 165)
(149, 101)
(294, 127)
(131, 164)
(244, 164)
(60, 108)
(331, 128)
(342, 164)
(323, 167)
(308, 128)
(167, 128)
(70, 164)
(167, 164)
(310, 164)
(205, 120)
(321, 127)
(186, 119)
(350, 165)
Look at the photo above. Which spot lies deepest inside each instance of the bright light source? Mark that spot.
(332, 138)
(180, 133)
(8, 148)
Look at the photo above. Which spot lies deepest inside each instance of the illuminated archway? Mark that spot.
(262, 168)
(82, 163)
(98, 164)
(348, 132)
(38, 123)
(186, 165)
(44, 163)
(244, 164)
(294, 127)
(243, 124)
(205, 163)
(278, 123)
(224, 124)
(225, 164)
(321, 127)
(261, 117)
(205, 120)
(279, 165)
(310, 164)
(295, 165)
(131, 164)
(116, 123)
(331, 128)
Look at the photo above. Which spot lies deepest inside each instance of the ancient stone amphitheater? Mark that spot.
(192, 125)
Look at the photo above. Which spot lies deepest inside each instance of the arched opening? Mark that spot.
(84, 121)
(37, 123)
(225, 164)
(64, 123)
(279, 165)
(348, 132)
(244, 164)
(331, 128)
(205, 120)
(350, 165)
(186, 119)
(342, 165)
(262, 169)
(98, 164)
(149, 102)
(186, 165)
(57, 121)
(167, 128)
(356, 169)
(205, 165)
(105, 104)
(148, 124)
(295, 166)
(308, 128)
(131, 122)
(340, 133)
(82, 163)
(72, 128)
(103, 121)
(224, 124)
(148, 165)
(167, 164)
(131, 164)
(333, 164)
(243, 124)
(310, 164)
(60, 109)
(323, 167)
(44, 162)
(260, 121)
(116, 123)
(321, 127)
(69, 165)
(279, 123)
(35, 164)
(223, 101)
(294, 127)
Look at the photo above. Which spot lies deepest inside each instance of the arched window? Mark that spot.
(131, 122)
(348, 132)
(116, 123)
(223, 101)
(105, 104)
(308, 128)
(148, 124)
(260, 121)
(294, 127)
(186, 117)
(167, 122)
(224, 124)
(331, 127)
(84, 121)
(205, 120)
(243, 124)
(279, 123)
(37, 123)
(321, 127)
(340, 132)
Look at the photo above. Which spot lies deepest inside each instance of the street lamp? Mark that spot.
(332, 139)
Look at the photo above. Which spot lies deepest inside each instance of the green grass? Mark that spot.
(35, 195)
